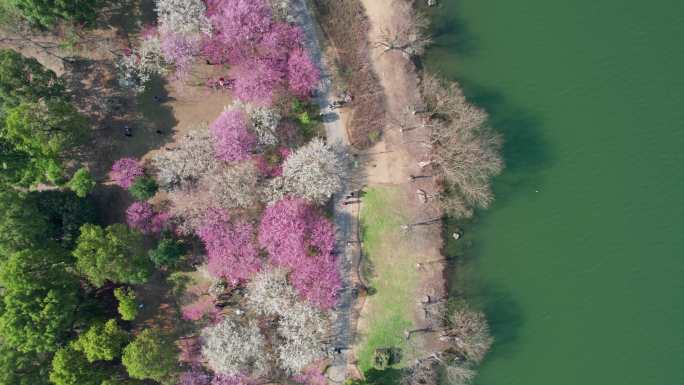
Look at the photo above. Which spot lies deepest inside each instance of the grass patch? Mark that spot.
(388, 311)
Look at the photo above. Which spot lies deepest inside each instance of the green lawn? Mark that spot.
(387, 312)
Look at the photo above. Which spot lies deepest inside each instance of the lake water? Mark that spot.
(580, 262)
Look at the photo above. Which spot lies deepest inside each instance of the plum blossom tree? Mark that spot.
(270, 164)
(302, 74)
(194, 377)
(182, 16)
(264, 122)
(200, 308)
(142, 216)
(221, 379)
(315, 171)
(303, 329)
(233, 141)
(233, 186)
(180, 50)
(301, 240)
(181, 167)
(231, 251)
(238, 26)
(137, 66)
(125, 171)
(268, 293)
(257, 79)
(233, 349)
(318, 281)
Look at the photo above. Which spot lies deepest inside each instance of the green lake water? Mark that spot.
(580, 262)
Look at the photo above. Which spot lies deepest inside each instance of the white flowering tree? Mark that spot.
(269, 293)
(301, 328)
(137, 67)
(182, 16)
(233, 348)
(315, 171)
(264, 122)
(233, 186)
(186, 164)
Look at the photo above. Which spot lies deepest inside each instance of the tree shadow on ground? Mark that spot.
(127, 16)
(389, 376)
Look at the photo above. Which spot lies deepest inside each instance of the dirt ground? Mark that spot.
(391, 161)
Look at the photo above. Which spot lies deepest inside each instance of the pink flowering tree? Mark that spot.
(222, 379)
(270, 163)
(142, 216)
(180, 50)
(194, 377)
(125, 171)
(257, 80)
(302, 74)
(233, 141)
(231, 251)
(298, 238)
(203, 307)
(237, 28)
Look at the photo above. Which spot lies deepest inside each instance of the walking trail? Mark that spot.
(389, 163)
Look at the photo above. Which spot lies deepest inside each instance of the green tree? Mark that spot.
(45, 132)
(36, 219)
(82, 182)
(25, 79)
(115, 254)
(39, 300)
(128, 306)
(143, 188)
(22, 225)
(70, 367)
(17, 368)
(65, 212)
(45, 13)
(102, 341)
(167, 252)
(150, 356)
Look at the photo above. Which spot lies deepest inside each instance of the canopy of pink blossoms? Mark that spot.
(266, 56)
(142, 216)
(125, 171)
(300, 239)
(231, 250)
(233, 141)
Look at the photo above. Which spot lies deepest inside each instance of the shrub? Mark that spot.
(128, 306)
(125, 171)
(143, 188)
(102, 341)
(167, 253)
(150, 356)
(81, 183)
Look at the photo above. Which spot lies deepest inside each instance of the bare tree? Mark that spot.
(408, 33)
(465, 150)
(469, 332)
